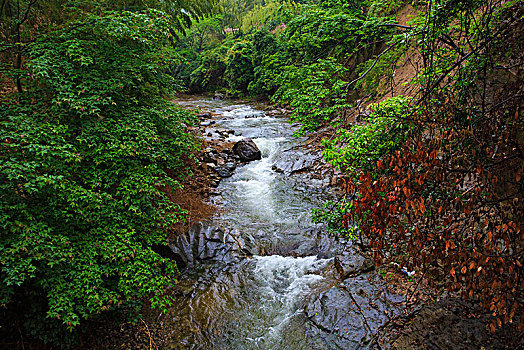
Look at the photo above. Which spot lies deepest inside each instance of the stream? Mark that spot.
(258, 268)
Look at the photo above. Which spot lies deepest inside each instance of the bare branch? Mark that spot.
(396, 25)
(372, 66)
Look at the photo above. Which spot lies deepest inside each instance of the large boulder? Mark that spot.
(247, 150)
(295, 161)
(206, 242)
(350, 315)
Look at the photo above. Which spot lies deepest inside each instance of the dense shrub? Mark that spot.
(448, 200)
(90, 151)
(239, 65)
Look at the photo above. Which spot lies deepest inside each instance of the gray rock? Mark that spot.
(226, 170)
(452, 323)
(350, 263)
(204, 115)
(293, 161)
(230, 165)
(350, 314)
(204, 242)
(247, 150)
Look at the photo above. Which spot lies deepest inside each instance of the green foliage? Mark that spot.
(379, 72)
(320, 33)
(208, 32)
(378, 8)
(357, 151)
(268, 15)
(286, 47)
(236, 12)
(382, 132)
(437, 181)
(333, 215)
(315, 92)
(267, 63)
(326, 45)
(89, 156)
(209, 75)
(239, 65)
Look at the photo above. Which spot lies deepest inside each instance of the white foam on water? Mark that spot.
(269, 147)
(282, 283)
(234, 138)
(253, 184)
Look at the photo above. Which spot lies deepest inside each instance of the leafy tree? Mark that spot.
(207, 31)
(209, 75)
(359, 148)
(90, 154)
(268, 15)
(268, 59)
(239, 65)
(315, 92)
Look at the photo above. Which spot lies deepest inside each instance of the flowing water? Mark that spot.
(255, 302)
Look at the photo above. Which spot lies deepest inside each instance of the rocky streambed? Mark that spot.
(260, 274)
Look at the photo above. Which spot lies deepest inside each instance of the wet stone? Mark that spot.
(261, 303)
(224, 171)
(315, 241)
(205, 242)
(247, 150)
(350, 314)
(230, 165)
(293, 161)
(350, 263)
